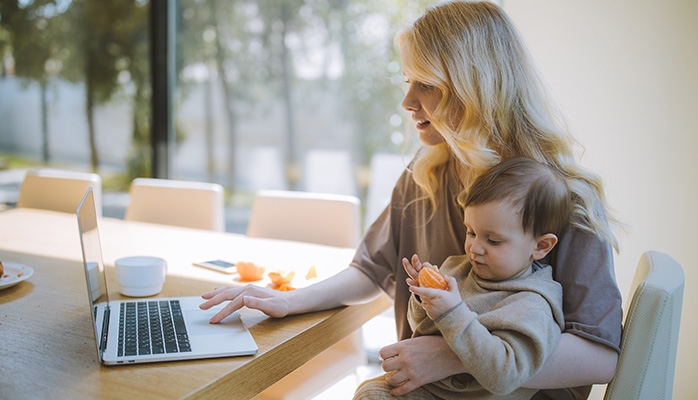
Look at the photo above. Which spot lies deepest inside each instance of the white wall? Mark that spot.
(625, 74)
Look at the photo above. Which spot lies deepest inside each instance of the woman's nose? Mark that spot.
(410, 103)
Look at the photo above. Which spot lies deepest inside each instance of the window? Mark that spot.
(263, 90)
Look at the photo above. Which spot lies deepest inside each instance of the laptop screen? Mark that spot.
(92, 261)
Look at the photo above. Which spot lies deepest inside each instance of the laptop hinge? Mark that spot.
(105, 329)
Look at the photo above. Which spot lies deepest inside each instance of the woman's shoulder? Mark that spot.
(445, 174)
(582, 259)
(580, 241)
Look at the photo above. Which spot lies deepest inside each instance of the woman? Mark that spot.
(475, 99)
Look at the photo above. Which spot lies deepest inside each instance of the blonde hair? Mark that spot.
(473, 54)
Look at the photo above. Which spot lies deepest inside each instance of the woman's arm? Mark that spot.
(576, 362)
(425, 359)
(350, 286)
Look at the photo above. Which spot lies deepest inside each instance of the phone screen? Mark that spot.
(218, 265)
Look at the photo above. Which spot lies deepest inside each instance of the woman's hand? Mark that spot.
(270, 302)
(349, 286)
(412, 363)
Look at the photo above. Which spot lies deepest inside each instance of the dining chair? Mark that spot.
(175, 202)
(263, 166)
(319, 218)
(58, 190)
(385, 170)
(651, 331)
(329, 171)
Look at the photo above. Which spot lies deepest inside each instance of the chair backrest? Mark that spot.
(263, 166)
(329, 171)
(180, 203)
(319, 218)
(386, 169)
(650, 335)
(58, 190)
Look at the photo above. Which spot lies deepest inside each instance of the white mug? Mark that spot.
(140, 276)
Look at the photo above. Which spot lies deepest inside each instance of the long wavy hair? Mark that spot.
(474, 55)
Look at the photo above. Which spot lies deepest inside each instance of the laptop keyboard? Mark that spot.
(152, 327)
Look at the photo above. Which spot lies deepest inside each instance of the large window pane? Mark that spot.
(75, 88)
(289, 94)
(265, 91)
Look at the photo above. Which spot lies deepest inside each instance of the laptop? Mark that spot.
(153, 329)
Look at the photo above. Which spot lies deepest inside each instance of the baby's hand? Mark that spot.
(438, 301)
(413, 268)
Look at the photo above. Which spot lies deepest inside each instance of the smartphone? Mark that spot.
(226, 267)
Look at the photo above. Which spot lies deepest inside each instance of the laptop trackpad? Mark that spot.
(197, 320)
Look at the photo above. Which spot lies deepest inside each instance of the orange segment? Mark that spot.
(312, 273)
(249, 271)
(432, 278)
(284, 288)
(279, 279)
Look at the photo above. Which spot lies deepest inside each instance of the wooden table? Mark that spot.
(46, 340)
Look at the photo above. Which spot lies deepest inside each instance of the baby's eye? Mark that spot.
(494, 242)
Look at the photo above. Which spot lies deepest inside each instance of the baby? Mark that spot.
(502, 311)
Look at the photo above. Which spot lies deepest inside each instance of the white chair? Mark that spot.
(329, 171)
(58, 190)
(264, 167)
(319, 218)
(651, 332)
(174, 202)
(385, 170)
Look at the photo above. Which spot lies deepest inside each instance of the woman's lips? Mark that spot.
(422, 124)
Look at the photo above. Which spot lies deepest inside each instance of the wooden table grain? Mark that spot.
(47, 347)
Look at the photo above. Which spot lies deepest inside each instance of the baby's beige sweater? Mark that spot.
(502, 331)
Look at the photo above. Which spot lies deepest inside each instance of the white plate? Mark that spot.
(14, 274)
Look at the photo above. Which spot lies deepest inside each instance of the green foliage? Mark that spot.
(102, 44)
(257, 50)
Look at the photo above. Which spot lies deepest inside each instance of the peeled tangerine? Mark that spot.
(281, 281)
(249, 271)
(430, 277)
(279, 278)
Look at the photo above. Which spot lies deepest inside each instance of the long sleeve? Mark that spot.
(501, 352)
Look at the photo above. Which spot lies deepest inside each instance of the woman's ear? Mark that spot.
(544, 243)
